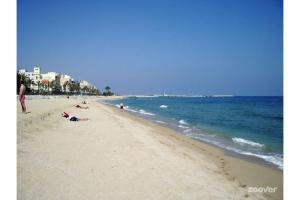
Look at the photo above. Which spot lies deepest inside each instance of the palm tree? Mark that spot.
(38, 84)
(48, 86)
(71, 86)
(74, 87)
(54, 86)
(77, 87)
(107, 91)
(85, 89)
(65, 86)
(107, 88)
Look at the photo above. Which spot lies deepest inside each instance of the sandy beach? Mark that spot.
(116, 155)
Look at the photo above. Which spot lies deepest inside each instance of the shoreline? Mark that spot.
(250, 158)
(256, 167)
(116, 142)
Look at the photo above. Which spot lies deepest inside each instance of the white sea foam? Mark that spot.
(145, 113)
(187, 130)
(131, 110)
(181, 126)
(160, 122)
(182, 122)
(246, 142)
(125, 108)
(163, 106)
(141, 111)
(275, 159)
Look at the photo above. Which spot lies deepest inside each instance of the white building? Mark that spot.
(43, 81)
(36, 74)
(26, 73)
(85, 84)
(64, 79)
(22, 71)
(51, 76)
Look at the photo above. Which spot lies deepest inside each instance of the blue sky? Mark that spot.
(145, 47)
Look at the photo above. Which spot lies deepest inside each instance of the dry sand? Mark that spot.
(119, 156)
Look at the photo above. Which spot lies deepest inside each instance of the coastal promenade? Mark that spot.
(117, 156)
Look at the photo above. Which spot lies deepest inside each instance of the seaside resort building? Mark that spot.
(64, 80)
(86, 85)
(42, 81)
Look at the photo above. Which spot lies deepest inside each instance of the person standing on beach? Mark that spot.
(22, 96)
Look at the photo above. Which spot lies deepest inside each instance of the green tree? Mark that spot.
(39, 86)
(55, 87)
(71, 86)
(65, 86)
(74, 87)
(48, 86)
(85, 89)
(98, 92)
(107, 88)
(108, 91)
(77, 87)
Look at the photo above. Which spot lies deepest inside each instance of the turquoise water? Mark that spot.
(250, 126)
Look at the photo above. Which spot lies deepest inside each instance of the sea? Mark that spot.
(249, 126)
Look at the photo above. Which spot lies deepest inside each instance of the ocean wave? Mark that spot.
(160, 122)
(182, 122)
(163, 106)
(128, 109)
(131, 110)
(141, 111)
(275, 159)
(181, 126)
(187, 130)
(125, 107)
(247, 142)
(145, 113)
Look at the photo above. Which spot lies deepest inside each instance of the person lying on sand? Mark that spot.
(82, 107)
(73, 118)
